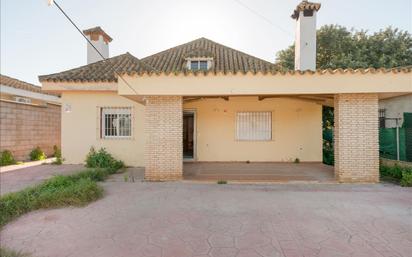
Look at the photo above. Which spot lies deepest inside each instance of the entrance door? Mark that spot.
(188, 134)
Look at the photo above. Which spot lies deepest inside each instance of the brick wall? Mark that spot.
(23, 127)
(356, 138)
(163, 131)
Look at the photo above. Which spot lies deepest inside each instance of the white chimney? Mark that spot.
(100, 40)
(305, 42)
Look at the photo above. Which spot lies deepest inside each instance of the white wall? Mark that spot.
(305, 44)
(92, 55)
(395, 107)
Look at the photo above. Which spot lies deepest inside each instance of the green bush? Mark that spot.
(73, 190)
(222, 182)
(406, 180)
(37, 154)
(398, 174)
(6, 158)
(58, 155)
(102, 159)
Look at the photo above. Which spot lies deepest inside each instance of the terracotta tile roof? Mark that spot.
(173, 61)
(15, 83)
(305, 5)
(101, 71)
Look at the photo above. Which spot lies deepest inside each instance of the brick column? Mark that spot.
(163, 131)
(356, 138)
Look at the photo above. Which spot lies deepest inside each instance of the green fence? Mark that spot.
(388, 142)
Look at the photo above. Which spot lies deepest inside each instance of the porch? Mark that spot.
(259, 172)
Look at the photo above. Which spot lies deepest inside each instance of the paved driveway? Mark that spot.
(16, 180)
(190, 219)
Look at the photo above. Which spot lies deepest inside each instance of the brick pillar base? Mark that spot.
(163, 131)
(356, 138)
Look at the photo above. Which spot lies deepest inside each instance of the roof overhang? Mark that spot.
(261, 84)
(4, 89)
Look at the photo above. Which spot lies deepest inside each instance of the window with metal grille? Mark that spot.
(116, 122)
(254, 126)
(382, 117)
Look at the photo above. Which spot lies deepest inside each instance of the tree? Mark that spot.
(338, 47)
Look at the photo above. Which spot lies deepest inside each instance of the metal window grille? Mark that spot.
(382, 117)
(254, 126)
(116, 122)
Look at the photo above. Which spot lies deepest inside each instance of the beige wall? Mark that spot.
(296, 130)
(80, 127)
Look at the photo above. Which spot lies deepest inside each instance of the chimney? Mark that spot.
(305, 41)
(100, 40)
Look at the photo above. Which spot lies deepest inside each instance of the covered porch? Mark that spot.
(275, 172)
(354, 96)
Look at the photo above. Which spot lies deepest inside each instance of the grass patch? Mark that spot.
(73, 190)
(396, 174)
(4, 252)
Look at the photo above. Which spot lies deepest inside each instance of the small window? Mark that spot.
(254, 126)
(198, 65)
(382, 118)
(116, 122)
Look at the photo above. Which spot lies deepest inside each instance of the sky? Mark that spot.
(37, 39)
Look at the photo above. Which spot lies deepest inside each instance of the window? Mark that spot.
(254, 126)
(198, 65)
(116, 122)
(382, 118)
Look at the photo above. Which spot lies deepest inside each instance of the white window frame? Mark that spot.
(115, 111)
(206, 59)
(260, 129)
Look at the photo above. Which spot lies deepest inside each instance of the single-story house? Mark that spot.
(203, 101)
(29, 118)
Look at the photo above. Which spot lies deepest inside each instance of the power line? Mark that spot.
(89, 42)
(264, 18)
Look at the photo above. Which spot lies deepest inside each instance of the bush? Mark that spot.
(102, 159)
(57, 155)
(397, 174)
(37, 154)
(74, 190)
(406, 180)
(221, 182)
(6, 158)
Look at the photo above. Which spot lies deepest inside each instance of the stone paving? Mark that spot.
(185, 219)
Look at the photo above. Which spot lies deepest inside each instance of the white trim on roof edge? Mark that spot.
(30, 94)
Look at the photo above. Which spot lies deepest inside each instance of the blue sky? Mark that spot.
(37, 39)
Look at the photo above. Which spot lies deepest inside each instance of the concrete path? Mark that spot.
(16, 180)
(185, 219)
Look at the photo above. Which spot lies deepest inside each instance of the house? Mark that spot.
(392, 111)
(206, 102)
(29, 118)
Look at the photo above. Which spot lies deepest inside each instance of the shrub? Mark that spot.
(222, 182)
(398, 174)
(57, 155)
(102, 159)
(74, 190)
(406, 180)
(6, 158)
(37, 154)
(297, 160)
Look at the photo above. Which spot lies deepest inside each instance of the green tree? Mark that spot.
(338, 47)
